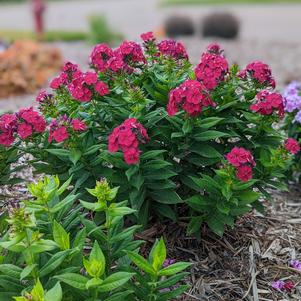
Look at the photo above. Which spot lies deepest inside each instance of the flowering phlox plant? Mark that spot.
(195, 141)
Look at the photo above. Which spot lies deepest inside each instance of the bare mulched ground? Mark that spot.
(243, 264)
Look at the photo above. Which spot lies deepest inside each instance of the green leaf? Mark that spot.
(37, 292)
(65, 202)
(75, 155)
(195, 224)
(141, 263)
(54, 262)
(156, 164)
(27, 271)
(64, 186)
(59, 152)
(210, 135)
(131, 171)
(60, 236)
(216, 225)
(197, 203)
(166, 196)
(80, 238)
(158, 254)
(93, 206)
(55, 294)
(209, 122)
(151, 154)
(10, 270)
(174, 268)
(74, 280)
(93, 283)
(121, 211)
(119, 296)
(248, 196)
(187, 126)
(174, 293)
(206, 151)
(115, 281)
(166, 211)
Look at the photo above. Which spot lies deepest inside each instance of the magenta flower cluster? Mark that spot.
(212, 68)
(81, 85)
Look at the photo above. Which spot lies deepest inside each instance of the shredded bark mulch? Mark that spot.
(246, 260)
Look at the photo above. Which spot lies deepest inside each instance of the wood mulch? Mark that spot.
(246, 260)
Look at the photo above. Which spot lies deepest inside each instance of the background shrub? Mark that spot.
(221, 25)
(176, 26)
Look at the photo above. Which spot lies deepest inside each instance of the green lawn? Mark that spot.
(183, 2)
(50, 36)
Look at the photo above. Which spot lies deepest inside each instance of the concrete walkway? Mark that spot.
(276, 22)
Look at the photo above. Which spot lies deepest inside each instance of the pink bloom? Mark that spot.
(243, 161)
(90, 78)
(130, 52)
(33, 118)
(244, 173)
(60, 134)
(24, 130)
(116, 63)
(148, 36)
(69, 67)
(8, 124)
(100, 56)
(212, 68)
(59, 81)
(268, 102)
(101, 88)
(191, 96)
(78, 125)
(239, 156)
(173, 49)
(6, 138)
(127, 137)
(292, 146)
(260, 72)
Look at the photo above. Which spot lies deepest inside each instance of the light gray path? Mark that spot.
(277, 22)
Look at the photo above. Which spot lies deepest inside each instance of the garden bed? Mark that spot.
(243, 264)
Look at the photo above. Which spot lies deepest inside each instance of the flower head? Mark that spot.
(127, 137)
(267, 103)
(100, 57)
(292, 146)
(148, 37)
(173, 49)
(8, 123)
(212, 68)
(62, 128)
(191, 96)
(243, 161)
(292, 97)
(260, 72)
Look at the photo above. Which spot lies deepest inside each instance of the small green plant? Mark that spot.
(52, 249)
(100, 31)
(156, 277)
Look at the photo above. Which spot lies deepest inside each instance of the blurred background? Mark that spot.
(36, 36)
